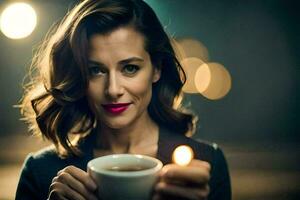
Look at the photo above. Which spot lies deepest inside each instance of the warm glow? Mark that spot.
(179, 51)
(203, 78)
(193, 48)
(18, 21)
(183, 155)
(190, 66)
(213, 80)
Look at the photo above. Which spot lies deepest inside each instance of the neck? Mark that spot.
(130, 139)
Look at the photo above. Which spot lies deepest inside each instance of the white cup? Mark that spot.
(124, 176)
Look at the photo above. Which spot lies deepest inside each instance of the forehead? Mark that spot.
(120, 41)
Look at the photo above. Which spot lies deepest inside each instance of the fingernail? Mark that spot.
(159, 186)
(93, 185)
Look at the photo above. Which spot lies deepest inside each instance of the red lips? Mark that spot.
(116, 108)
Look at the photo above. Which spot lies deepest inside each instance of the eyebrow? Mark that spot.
(122, 62)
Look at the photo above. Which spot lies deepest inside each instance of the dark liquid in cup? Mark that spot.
(128, 168)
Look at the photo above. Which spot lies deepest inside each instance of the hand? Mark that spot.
(72, 183)
(183, 182)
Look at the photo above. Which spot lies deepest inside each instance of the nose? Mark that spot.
(114, 87)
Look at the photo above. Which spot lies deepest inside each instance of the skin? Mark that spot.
(121, 72)
(183, 182)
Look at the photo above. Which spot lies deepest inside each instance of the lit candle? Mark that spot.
(183, 155)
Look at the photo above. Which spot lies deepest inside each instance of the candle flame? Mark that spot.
(183, 155)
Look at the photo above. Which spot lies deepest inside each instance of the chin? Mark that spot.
(117, 125)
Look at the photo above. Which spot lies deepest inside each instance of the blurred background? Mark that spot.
(254, 117)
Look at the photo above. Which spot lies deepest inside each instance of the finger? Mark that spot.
(189, 174)
(177, 192)
(200, 163)
(55, 194)
(82, 176)
(61, 191)
(76, 185)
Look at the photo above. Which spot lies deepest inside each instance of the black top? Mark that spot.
(41, 167)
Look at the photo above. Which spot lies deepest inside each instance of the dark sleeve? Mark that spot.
(28, 186)
(220, 188)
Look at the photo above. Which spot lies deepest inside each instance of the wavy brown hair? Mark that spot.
(55, 102)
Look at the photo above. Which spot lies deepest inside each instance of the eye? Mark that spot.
(130, 69)
(96, 71)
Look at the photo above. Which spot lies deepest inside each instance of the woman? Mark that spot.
(108, 82)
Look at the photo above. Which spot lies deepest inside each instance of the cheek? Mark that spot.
(94, 95)
(141, 90)
(95, 91)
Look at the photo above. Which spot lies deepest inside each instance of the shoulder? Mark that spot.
(48, 156)
(38, 170)
(40, 167)
(211, 150)
(43, 164)
(44, 157)
(203, 150)
(45, 153)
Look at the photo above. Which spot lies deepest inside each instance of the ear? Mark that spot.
(156, 75)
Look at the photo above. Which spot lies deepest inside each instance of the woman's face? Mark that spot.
(121, 78)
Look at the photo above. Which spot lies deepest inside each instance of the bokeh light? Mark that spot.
(179, 51)
(189, 47)
(213, 80)
(190, 66)
(210, 79)
(18, 20)
(203, 78)
(183, 155)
